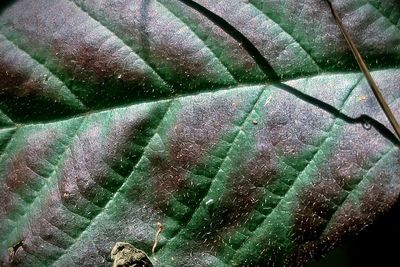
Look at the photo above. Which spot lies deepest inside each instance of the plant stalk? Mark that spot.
(375, 89)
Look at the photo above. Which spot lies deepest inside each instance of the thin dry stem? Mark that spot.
(377, 92)
(159, 230)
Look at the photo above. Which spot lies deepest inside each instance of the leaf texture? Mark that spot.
(117, 115)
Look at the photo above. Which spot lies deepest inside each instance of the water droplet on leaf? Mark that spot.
(366, 125)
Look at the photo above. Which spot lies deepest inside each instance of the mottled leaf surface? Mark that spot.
(117, 115)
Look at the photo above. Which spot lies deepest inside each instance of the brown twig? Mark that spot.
(159, 230)
(377, 92)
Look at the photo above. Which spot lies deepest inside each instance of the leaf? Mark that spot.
(118, 115)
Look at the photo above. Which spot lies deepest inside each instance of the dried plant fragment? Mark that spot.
(125, 255)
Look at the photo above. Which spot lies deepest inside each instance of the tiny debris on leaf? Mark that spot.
(12, 250)
(362, 98)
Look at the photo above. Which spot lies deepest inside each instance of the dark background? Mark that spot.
(378, 245)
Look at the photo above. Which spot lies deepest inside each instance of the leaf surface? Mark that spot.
(117, 115)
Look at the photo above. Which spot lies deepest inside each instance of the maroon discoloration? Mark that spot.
(261, 168)
(17, 77)
(29, 174)
(168, 179)
(297, 18)
(50, 232)
(322, 219)
(93, 171)
(75, 183)
(198, 128)
(157, 37)
(262, 32)
(86, 180)
(316, 205)
(103, 66)
(46, 231)
(81, 52)
(61, 217)
(236, 206)
(292, 129)
(244, 189)
(319, 201)
(87, 55)
(379, 194)
(359, 162)
(26, 170)
(279, 137)
(239, 60)
(38, 92)
(16, 82)
(376, 198)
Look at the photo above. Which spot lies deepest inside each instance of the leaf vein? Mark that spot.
(382, 14)
(9, 141)
(110, 201)
(214, 178)
(307, 166)
(45, 67)
(203, 41)
(355, 188)
(46, 183)
(297, 41)
(122, 40)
